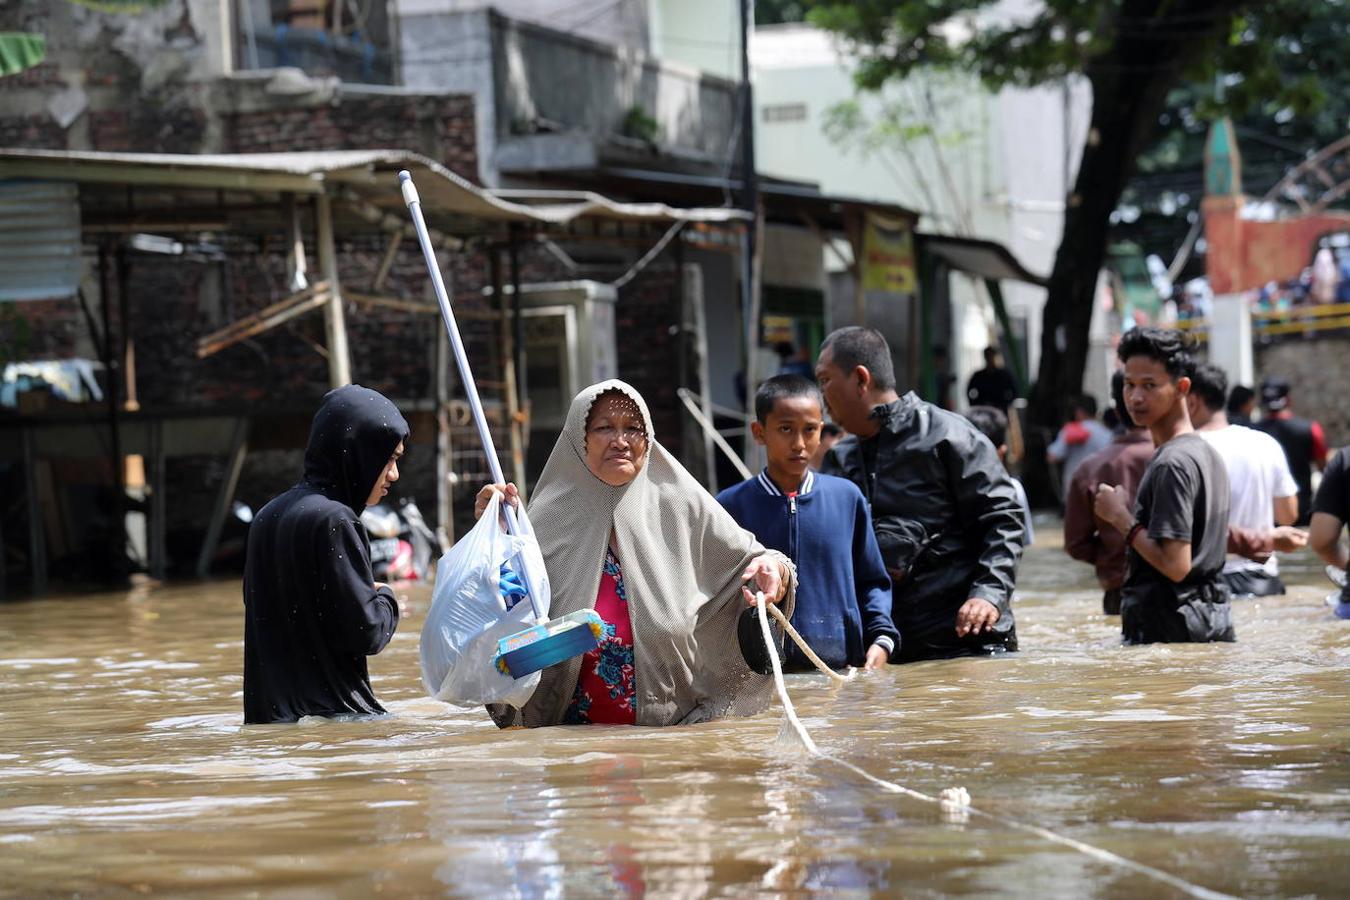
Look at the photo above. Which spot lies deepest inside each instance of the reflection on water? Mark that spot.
(124, 768)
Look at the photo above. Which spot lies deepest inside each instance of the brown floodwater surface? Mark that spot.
(124, 768)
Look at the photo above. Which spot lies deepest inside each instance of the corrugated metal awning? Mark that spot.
(984, 259)
(39, 241)
(373, 174)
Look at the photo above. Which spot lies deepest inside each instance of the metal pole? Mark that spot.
(750, 203)
(465, 373)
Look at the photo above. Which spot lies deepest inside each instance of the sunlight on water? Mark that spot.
(124, 768)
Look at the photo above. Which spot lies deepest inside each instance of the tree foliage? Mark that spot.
(1134, 54)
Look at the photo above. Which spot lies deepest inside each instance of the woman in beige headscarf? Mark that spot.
(626, 531)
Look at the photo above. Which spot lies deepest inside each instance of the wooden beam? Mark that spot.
(224, 497)
(387, 262)
(282, 311)
(413, 306)
(87, 172)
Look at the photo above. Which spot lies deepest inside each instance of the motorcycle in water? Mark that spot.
(401, 543)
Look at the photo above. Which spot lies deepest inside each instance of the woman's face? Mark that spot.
(616, 440)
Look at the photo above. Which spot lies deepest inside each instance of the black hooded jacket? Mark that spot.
(311, 612)
(946, 514)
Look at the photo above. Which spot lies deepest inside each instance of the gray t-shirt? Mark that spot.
(1183, 496)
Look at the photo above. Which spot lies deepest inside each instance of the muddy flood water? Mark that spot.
(125, 770)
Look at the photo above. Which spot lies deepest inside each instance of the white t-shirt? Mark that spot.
(1257, 473)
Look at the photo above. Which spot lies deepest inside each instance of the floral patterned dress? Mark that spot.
(606, 685)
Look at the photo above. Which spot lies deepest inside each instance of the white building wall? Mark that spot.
(982, 165)
(622, 23)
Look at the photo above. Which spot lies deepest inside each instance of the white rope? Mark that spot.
(951, 800)
(810, 654)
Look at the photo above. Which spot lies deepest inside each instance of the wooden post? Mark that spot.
(518, 387)
(510, 374)
(445, 512)
(37, 540)
(335, 321)
(238, 450)
(296, 268)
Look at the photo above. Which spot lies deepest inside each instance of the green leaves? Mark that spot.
(19, 51)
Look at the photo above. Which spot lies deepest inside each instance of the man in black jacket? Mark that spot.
(312, 610)
(945, 510)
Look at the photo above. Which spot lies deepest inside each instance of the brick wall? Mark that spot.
(441, 127)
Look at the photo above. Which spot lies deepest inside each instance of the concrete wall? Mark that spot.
(618, 23)
(704, 34)
(1313, 367)
(551, 101)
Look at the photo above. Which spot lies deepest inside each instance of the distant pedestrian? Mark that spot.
(993, 424)
(1304, 442)
(993, 385)
(1122, 463)
(792, 361)
(1177, 531)
(1262, 493)
(943, 507)
(312, 610)
(1080, 437)
(1241, 405)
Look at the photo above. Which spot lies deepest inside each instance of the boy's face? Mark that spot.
(387, 477)
(790, 434)
(1150, 392)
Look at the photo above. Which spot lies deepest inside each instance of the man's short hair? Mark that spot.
(1118, 399)
(829, 429)
(858, 346)
(990, 422)
(1210, 384)
(1086, 403)
(1168, 346)
(1239, 397)
(783, 387)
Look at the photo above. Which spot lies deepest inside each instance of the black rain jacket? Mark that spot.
(311, 611)
(946, 515)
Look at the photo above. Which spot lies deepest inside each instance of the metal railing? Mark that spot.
(1271, 323)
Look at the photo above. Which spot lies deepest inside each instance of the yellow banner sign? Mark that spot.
(888, 256)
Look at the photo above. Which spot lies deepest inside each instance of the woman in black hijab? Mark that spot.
(312, 609)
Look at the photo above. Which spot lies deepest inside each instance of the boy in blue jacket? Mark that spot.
(843, 592)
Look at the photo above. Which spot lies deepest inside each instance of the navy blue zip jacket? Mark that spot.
(312, 613)
(843, 591)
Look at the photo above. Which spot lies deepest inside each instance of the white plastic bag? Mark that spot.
(468, 617)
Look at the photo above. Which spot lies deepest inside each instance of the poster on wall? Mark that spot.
(888, 255)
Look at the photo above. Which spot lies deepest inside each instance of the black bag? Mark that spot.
(904, 545)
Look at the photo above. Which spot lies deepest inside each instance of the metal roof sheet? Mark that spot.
(373, 173)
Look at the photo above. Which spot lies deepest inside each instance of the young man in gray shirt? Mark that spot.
(1177, 533)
